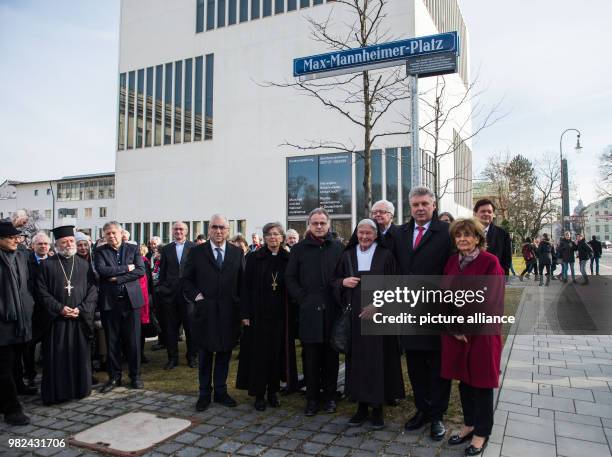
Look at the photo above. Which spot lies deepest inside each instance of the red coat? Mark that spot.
(144, 287)
(476, 362)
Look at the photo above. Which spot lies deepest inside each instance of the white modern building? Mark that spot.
(597, 219)
(199, 131)
(86, 201)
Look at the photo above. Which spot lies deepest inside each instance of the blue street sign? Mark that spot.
(376, 56)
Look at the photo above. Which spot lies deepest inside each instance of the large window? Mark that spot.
(139, 107)
(90, 189)
(199, 68)
(210, 71)
(391, 170)
(231, 12)
(159, 78)
(188, 94)
(130, 129)
(149, 107)
(102, 212)
(279, 6)
(255, 9)
(178, 96)
(121, 127)
(168, 105)
(244, 10)
(67, 212)
(210, 14)
(199, 16)
(221, 14)
(267, 8)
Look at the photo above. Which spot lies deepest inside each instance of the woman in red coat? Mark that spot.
(473, 359)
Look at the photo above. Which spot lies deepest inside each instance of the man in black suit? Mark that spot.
(177, 310)
(211, 281)
(422, 247)
(498, 240)
(383, 212)
(120, 267)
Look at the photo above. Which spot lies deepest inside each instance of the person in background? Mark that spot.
(239, 241)
(154, 245)
(446, 217)
(125, 236)
(528, 250)
(596, 247)
(156, 311)
(200, 239)
(256, 243)
(145, 282)
(498, 240)
(545, 254)
(565, 252)
(293, 237)
(585, 254)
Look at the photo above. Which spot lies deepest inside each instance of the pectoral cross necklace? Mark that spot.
(274, 283)
(68, 286)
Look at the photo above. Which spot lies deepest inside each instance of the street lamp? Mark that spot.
(565, 180)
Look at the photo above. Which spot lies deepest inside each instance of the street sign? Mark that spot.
(432, 64)
(377, 56)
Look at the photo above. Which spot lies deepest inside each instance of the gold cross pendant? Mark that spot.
(274, 285)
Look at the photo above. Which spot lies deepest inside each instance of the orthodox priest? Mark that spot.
(67, 292)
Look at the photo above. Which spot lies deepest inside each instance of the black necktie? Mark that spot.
(219, 258)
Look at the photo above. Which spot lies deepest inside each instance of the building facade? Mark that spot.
(597, 219)
(199, 127)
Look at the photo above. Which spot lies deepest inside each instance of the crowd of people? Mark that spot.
(262, 296)
(541, 254)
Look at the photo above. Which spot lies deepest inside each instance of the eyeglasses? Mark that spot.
(380, 211)
(218, 227)
(321, 224)
(269, 235)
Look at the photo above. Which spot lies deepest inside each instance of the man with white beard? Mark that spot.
(67, 292)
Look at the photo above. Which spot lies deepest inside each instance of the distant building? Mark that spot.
(86, 201)
(488, 189)
(597, 219)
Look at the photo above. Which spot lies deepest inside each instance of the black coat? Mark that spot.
(390, 236)
(596, 246)
(566, 250)
(500, 245)
(215, 320)
(169, 282)
(309, 273)
(16, 301)
(545, 253)
(429, 258)
(105, 263)
(584, 250)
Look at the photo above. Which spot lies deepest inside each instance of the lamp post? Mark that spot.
(565, 180)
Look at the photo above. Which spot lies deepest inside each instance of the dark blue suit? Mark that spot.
(120, 300)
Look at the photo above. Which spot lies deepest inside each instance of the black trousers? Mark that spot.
(205, 372)
(160, 314)
(321, 365)
(431, 392)
(25, 364)
(175, 316)
(477, 407)
(9, 403)
(122, 328)
(547, 267)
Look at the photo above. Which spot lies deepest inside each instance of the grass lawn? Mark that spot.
(184, 380)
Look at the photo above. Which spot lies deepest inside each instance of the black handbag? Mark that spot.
(340, 339)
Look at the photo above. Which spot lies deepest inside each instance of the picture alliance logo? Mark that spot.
(415, 297)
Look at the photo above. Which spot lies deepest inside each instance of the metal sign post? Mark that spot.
(415, 179)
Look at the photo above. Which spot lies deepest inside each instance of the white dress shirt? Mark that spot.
(179, 249)
(416, 231)
(214, 247)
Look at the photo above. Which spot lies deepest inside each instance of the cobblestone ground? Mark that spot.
(221, 431)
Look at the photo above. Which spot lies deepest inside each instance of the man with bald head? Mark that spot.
(177, 311)
(211, 281)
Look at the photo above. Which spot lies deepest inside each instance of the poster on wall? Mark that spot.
(302, 185)
(335, 183)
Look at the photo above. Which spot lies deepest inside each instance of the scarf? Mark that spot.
(465, 260)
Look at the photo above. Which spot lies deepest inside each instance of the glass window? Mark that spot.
(304, 3)
(156, 227)
(49, 191)
(36, 192)
(159, 76)
(376, 161)
(406, 183)
(205, 228)
(267, 8)
(165, 232)
(146, 231)
(255, 9)
(168, 105)
(291, 5)
(139, 107)
(241, 226)
(87, 213)
(210, 14)
(244, 10)
(197, 130)
(210, 70)
(131, 86)
(68, 212)
(200, 16)
(121, 127)
(48, 214)
(188, 94)
(149, 107)
(391, 164)
(102, 211)
(231, 12)
(279, 6)
(137, 235)
(221, 13)
(178, 96)
(196, 229)
(128, 226)
(317, 2)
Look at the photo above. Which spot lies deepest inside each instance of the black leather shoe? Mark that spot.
(329, 407)
(359, 417)
(137, 384)
(312, 408)
(225, 400)
(203, 403)
(17, 418)
(110, 385)
(171, 365)
(437, 430)
(192, 362)
(416, 421)
(260, 404)
(377, 421)
(26, 390)
(458, 439)
(471, 450)
(273, 400)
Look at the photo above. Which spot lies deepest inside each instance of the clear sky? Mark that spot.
(549, 60)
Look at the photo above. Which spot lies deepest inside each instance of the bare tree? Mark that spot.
(363, 99)
(604, 188)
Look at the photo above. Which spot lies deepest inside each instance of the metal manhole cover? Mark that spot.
(131, 434)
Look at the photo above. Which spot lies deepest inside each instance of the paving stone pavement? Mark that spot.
(220, 431)
(555, 397)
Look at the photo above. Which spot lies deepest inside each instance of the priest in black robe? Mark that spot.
(67, 292)
(373, 364)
